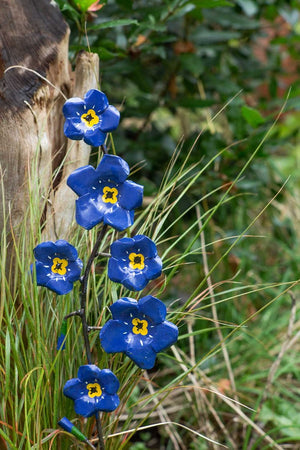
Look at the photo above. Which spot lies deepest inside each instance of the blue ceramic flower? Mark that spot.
(90, 119)
(105, 195)
(94, 390)
(139, 330)
(57, 266)
(134, 262)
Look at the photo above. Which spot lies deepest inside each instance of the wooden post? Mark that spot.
(35, 37)
(60, 214)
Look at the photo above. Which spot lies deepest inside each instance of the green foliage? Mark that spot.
(138, 446)
(188, 77)
(283, 416)
(173, 64)
(83, 5)
(184, 377)
(252, 116)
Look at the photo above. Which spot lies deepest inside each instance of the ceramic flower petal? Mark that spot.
(131, 195)
(110, 403)
(113, 332)
(110, 117)
(81, 180)
(84, 406)
(74, 128)
(91, 118)
(144, 357)
(96, 100)
(105, 195)
(112, 168)
(139, 330)
(69, 251)
(153, 268)
(154, 308)
(71, 388)
(93, 390)
(42, 275)
(57, 266)
(94, 137)
(44, 250)
(59, 286)
(164, 335)
(145, 245)
(109, 380)
(89, 212)
(74, 107)
(134, 262)
(120, 251)
(124, 307)
(87, 372)
(119, 218)
(134, 281)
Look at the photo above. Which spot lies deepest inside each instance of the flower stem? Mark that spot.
(85, 327)
(105, 255)
(101, 444)
(72, 314)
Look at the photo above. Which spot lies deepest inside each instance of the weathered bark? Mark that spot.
(34, 35)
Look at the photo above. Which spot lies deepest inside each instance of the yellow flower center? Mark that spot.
(140, 326)
(110, 195)
(59, 266)
(90, 118)
(94, 390)
(136, 261)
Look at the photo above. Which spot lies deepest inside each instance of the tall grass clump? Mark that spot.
(231, 379)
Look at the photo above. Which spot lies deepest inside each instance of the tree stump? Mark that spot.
(34, 35)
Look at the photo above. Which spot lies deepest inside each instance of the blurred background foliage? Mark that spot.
(172, 66)
(213, 75)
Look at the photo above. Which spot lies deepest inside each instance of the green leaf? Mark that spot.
(211, 3)
(114, 23)
(106, 55)
(192, 63)
(211, 36)
(84, 5)
(114, 292)
(252, 116)
(248, 6)
(284, 416)
(68, 10)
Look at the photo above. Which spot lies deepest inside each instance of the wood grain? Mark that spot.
(34, 35)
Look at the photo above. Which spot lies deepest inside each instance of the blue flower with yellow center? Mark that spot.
(90, 119)
(139, 330)
(134, 262)
(57, 266)
(105, 195)
(93, 390)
